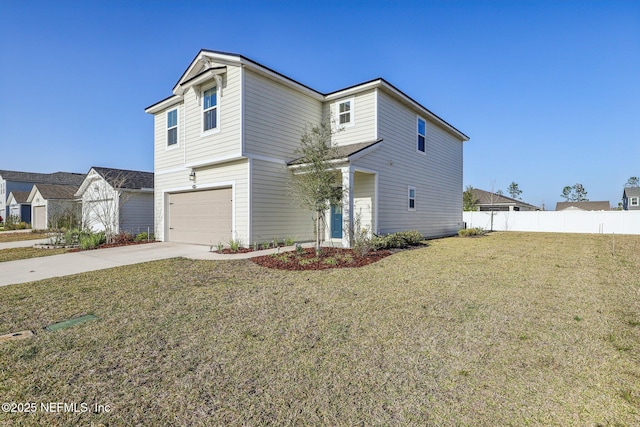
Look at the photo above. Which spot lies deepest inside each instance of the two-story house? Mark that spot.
(631, 198)
(224, 153)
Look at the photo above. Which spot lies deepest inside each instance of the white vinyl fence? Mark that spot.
(604, 222)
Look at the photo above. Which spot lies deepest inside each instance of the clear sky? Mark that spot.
(548, 91)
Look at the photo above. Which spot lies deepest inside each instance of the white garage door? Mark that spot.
(39, 220)
(202, 217)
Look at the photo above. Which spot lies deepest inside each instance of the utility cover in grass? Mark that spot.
(16, 336)
(71, 322)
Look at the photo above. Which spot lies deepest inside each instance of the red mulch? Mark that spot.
(331, 258)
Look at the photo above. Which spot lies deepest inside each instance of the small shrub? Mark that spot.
(264, 245)
(472, 232)
(289, 241)
(282, 257)
(13, 223)
(308, 261)
(299, 249)
(91, 241)
(122, 238)
(235, 245)
(141, 237)
(219, 247)
(399, 240)
(411, 238)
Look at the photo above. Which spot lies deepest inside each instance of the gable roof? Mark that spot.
(198, 68)
(57, 192)
(19, 196)
(631, 192)
(584, 206)
(65, 178)
(343, 151)
(123, 178)
(488, 198)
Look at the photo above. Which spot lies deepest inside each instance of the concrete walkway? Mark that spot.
(27, 270)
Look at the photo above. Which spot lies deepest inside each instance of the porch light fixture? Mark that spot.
(192, 175)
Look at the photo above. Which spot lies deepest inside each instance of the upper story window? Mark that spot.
(172, 128)
(422, 136)
(634, 201)
(345, 112)
(210, 109)
(412, 198)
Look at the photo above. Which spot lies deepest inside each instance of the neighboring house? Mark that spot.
(225, 144)
(488, 201)
(583, 206)
(23, 181)
(117, 200)
(53, 205)
(631, 199)
(18, 205)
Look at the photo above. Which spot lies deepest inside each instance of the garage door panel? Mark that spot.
(39, 222)
(203, 217)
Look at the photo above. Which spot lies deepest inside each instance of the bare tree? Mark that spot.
(103, 202)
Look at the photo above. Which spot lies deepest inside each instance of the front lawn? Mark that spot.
(507, 329)
(14, 254)
(8, 236)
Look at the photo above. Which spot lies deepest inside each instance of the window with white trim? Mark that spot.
(210, 109)
(634, 201)
(345, 112)
(411, 196)
(422, 136)
(172, 128)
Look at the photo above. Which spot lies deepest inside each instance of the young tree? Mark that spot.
(514, 190)
(315, 183)
(575, 193)
(634, 181)
(580, 193)
(469, 202)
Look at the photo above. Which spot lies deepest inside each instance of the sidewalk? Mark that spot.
(28, 270)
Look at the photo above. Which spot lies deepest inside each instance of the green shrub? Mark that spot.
(142, 237)
(91, 241)
(399, 240)
(235, 245)
(13, 223)
(472, 232)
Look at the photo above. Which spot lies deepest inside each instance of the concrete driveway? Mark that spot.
(28, 270)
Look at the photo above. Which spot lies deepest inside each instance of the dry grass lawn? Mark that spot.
(509, 329)
(14, 254)
(9, 236)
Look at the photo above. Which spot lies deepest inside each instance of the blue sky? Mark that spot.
(548, 91)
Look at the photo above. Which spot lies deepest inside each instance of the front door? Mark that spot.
(336, 222)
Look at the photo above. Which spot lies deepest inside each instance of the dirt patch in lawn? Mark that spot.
(307, 259)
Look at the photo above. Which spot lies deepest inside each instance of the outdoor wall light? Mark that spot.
(192, 175)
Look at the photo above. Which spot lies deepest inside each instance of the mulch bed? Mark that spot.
(331, 258)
